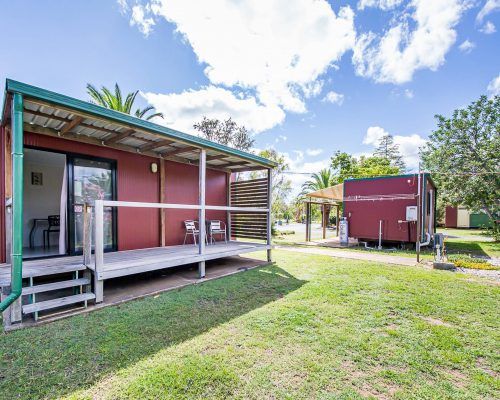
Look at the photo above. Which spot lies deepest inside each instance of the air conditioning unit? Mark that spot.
(411, 213)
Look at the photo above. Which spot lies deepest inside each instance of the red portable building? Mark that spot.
(386, 208)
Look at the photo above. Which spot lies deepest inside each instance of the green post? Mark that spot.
(17, 202)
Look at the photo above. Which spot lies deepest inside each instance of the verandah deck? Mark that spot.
(129, 262)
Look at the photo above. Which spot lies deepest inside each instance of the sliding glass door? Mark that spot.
(91, 179)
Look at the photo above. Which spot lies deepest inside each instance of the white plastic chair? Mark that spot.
(217, 227)
(192, 228)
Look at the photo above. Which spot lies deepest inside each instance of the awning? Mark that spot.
(333, 193)
(53, 114)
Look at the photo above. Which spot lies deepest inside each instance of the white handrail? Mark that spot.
(99, 218)
(116, 203)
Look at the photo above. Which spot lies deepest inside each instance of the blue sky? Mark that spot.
(308, 77)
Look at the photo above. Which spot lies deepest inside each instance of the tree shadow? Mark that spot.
(473, 248)
(71, 354)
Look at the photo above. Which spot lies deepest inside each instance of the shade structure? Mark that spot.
(333, 193)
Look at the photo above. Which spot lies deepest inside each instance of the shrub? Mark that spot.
(466, 261)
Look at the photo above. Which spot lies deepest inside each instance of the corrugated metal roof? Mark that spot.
(53, 111)
(334, 193)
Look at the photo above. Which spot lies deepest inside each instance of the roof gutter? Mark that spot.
(16, 284)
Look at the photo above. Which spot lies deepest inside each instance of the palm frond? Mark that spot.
(158, 114)
(129, 102)
(118, 97)
(96, 95)
(140, 113)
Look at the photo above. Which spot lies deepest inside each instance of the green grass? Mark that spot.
(307, 327)
(459, 241)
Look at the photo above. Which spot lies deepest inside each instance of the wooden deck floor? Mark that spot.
(122, 263)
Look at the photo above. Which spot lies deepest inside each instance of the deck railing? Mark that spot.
(99, 223)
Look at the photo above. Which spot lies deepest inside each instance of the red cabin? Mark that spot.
(101, 194)
(386, 208)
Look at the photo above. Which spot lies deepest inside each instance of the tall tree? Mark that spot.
(386, 148)
(463, 154)
(320, 180)
(226, 132)
(115, 101)
(375, 166)
(346, 166)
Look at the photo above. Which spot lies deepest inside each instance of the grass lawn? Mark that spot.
(458, 241)
(307, 327)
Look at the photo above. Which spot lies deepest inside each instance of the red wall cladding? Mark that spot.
(181, 186)
(364, 216)
(140, 228)
(450, 217)
(137, 227)
(2, 194)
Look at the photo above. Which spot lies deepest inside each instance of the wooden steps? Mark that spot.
(59, 302)
(47, 287)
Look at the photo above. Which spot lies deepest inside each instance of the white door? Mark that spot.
(462, 217)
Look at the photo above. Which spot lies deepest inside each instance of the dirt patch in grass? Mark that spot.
(482, 365)
(459, 379)
(437, 322)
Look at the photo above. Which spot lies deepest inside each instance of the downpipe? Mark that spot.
(16, 284)
(431, 218)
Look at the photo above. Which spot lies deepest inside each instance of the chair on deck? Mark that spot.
(54, 226)
(217, 227)
(193, 229)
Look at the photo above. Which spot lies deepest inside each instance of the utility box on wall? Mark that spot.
(411, 213)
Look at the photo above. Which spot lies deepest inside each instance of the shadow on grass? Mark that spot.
(71, 354)
(473, 248)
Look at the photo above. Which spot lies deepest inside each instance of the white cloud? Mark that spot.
(489, 7)
(276, 47)
(402, 50)
(334, 98)
(182, 110)
(409, 93)
(408, 145)
(494, 87)
(302, 170)
(466, 46)
(382, 4)
(139, 19)
(314, 152)
(123, 6)
(488, 28)
(281, 138)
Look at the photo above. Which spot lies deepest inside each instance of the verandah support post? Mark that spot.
(99, 250)
(228, 215)
(324, 220)
(162, 200)
(269, 207)
(17, 204)
(308, 205)
(87, 243)
(337, 221)
(201, 181)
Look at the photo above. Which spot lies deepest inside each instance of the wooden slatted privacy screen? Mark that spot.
(251, 193)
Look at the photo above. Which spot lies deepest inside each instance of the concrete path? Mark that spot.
(354, 255)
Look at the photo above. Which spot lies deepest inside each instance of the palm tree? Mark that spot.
(114, 101)
(320, 180)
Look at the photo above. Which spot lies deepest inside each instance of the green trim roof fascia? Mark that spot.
(94, 109)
